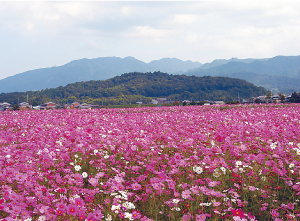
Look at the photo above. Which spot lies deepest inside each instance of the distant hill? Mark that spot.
(89, 69)
(219, 62)
(136, 86)
(281, 72)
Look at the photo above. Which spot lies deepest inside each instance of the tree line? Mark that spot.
(136, 86)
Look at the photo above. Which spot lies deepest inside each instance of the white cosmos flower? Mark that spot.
(238, 163)
(217, 173)
(273, 146)
(129, 205)
(84, 175)
(198, 169)
(115, 207)
(109, 217)
(223, 169)
(175, 201)
(128, 215)
(77, 167)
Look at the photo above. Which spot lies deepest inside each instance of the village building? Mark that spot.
(4, 106)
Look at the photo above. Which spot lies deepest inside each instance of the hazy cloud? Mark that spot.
(42, 34)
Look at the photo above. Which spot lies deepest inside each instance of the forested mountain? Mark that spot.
(132, 87)
(281, 72)
(89, 69)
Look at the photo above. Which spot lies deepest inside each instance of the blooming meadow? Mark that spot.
(164, 163)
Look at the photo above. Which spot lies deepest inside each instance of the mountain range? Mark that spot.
(101, 68)
(279, 74)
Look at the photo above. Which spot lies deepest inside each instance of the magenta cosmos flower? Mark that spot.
(136, 186)
(79, 202)
(72, 210)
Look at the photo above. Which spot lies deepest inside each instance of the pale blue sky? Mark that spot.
(42, 34)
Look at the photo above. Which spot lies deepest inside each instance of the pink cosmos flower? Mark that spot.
(238, 212)
(217, 204)
(135, 214)
(51, 216)
(72, 210)
(1, 202)
(274, 213)
(238, 218)
(93, 181)
(186, 194)
(162, 176)
(177, 156)
(78, 176)
(61, 206)
(176, 194)
(119, 179)
(91, 217)
(82, 214)
(100, 174)
(213, 183)
(252, 188)
(136, 186)
(201, 217)
(98, 214)
(79, 202)
(60, 212)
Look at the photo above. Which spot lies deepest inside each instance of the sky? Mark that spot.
(40, 34)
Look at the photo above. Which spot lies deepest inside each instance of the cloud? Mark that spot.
(185, 19)
(146, 33)
(197, 30)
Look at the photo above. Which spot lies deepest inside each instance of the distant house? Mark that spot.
(4, 106)
(154, 101)
(24, 106)
(48, 106)
(75, 105)
(82, 106)
(85, 106)
(219, 102)
(263, 99)
(245, 101)
(162, 100)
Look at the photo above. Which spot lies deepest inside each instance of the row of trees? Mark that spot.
(131, 87)
(295, 97)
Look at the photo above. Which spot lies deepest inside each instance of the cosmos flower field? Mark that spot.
(165, 163)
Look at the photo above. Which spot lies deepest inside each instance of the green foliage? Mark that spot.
(295, 98)
(132, 87)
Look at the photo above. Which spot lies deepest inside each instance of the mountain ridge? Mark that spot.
(101, 68)
(282, 71)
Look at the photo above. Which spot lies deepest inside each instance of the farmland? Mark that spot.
(160, 163)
